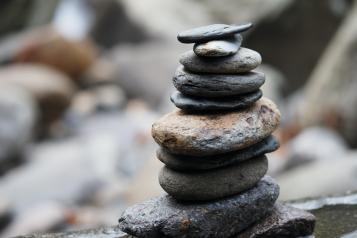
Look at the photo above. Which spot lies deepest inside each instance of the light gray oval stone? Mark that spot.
(218, 48)
(216, 85)
(243, 61)
(166, 217)
(213, 184)
(190, 163)
(195, 104)
(211, 32)
(207, 134)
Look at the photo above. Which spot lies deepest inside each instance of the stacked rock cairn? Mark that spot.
(214, 147)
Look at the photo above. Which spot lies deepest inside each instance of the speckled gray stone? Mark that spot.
(196, 104)
(284, 222)
(211, 32)
(191, 163)
(180, 132)
(213, 184)
(243, 61)
(216, 85)
(165, 217)
(218, 48)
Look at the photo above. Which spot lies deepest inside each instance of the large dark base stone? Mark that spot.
(284, 222)
(217, 85)
(196, 104)
(191, 163)
(165, 217)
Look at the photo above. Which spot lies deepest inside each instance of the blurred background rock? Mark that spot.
(81, 82)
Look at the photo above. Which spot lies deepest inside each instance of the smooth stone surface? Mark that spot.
(189, 163)
(213, 184)
(285, 221)
(243, 61)
(216, 85)
(203, 134)
(196, 104)
(165, 217)
(218, 48)
(211, 32)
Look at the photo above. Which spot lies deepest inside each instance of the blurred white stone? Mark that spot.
(319, 178)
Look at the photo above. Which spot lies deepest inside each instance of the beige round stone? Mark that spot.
(202, 134)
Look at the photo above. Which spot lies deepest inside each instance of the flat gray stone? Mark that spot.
(223, 182)
(216, 85)
(218, 48)
(284, 222)
(243, 61)
(190, 163)
(184, 133)
(165, 217)
(211, 32)
(196, 104)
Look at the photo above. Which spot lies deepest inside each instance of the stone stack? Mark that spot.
(214, 147)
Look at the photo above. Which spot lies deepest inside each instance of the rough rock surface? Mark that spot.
(107, 232)
(165, 217)
(285, 221)
(243, 61)
(196, 104)
(211, 32)
(218, 48)
(189, 163)
(216, 85)
(202, 134)
(223, 182)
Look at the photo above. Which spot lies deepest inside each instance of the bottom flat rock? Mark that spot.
(165, 217)
(284, 222)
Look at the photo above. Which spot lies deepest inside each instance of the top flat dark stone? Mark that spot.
(211, 32)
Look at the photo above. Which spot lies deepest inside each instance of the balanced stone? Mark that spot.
(211, 32)
(197, 104)
(190, 163)
(203, 134)
(216, 85)
(213, 184)
(284, 221)
(243, 61)
(218, 48)
(166, 217)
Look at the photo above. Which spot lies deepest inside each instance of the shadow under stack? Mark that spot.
(214, 149)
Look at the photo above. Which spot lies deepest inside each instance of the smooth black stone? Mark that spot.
(223, 182)
(216, 85)
(284, 222)
(189, 163)
(187, 103)
(166, 217)
(211, 32)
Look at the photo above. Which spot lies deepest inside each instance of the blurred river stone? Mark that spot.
(330, 95)
(18, 114)
(51, 89)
